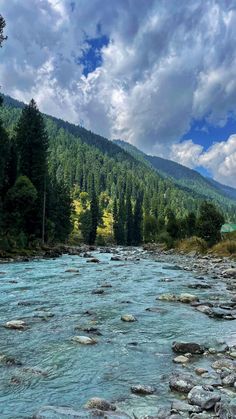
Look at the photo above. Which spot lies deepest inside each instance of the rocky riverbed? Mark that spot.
(118, 333)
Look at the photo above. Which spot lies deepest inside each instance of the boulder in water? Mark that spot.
(100, 404)
(128, 318)
(142, 390)
(15, 324)
(182, 383)
(203, 397)
(84, 340)
(187, 347)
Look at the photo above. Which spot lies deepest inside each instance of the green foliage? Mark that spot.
(150, 228)
(19, 207)
(209, 223)
(85, 223)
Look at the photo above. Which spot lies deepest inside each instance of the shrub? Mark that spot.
(192, 244)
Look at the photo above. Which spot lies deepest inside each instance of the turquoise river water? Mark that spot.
(56, 371)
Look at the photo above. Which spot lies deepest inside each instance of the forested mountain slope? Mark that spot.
(183, 176)
(76, 156)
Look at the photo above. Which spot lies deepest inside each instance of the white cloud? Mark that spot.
(166, 64)
(219, 159)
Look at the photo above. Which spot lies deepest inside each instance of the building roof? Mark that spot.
(228, 228)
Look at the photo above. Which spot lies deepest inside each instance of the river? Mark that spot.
(53, 302)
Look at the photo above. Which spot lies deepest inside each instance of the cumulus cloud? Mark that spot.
(166, 63)
(219, 159)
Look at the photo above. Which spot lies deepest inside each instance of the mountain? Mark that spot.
(182, 175)
(76, 156)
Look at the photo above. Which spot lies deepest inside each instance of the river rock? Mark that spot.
(224, 363)
(15, 324)
(9, 360)
(72, 270)
(200, 371)
(128, 318)
(203, 397)
(98, 291)
(84, 340)
(187, 298)
(229, 273)
(226, 409)
(187, 347)
(182, 383)
(142, 390)
(185, 407)
(93, 260)
(181, 359)
(100, 404)
(116, 259)
(205, 309)
(229, 380)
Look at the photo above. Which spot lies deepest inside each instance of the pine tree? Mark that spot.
(121, 221)
(129, 222)
(94, 210)
(137, 226)
(32, 144)
(115, 222)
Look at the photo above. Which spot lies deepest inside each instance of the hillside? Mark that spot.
(183, 176)
(77, 155)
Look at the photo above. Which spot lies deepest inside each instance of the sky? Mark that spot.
(160, 74)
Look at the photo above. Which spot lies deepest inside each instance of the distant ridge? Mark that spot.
(181, 175)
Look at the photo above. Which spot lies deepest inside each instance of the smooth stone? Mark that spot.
(99, 291)
(229, 273)
(181, 359)
(93, 260)
(200, 371)
(204, 309)
(142, 390)
(224, 363)
(72, 270)
(181, 383)
(128, 318)
(10, 361)
(100, 404)
(84, 340)
(184, 347)
(187, 298)
(229, 380)
(185, 407)
(15, 324)
(226, 409)
(202, 397)
(116, 259)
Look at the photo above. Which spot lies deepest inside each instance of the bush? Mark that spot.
(225, 248)
(166, 239)
(192, 244)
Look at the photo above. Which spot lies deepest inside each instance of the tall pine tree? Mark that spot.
(32, 144)
(94, 210)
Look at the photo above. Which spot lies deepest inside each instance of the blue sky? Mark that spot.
(159, 74)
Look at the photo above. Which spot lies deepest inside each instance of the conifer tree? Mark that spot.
(129, 222)
(94, 210)
(32, 144)
(137, 225)
(115, 222)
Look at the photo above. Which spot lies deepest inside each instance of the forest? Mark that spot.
(62, 183)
